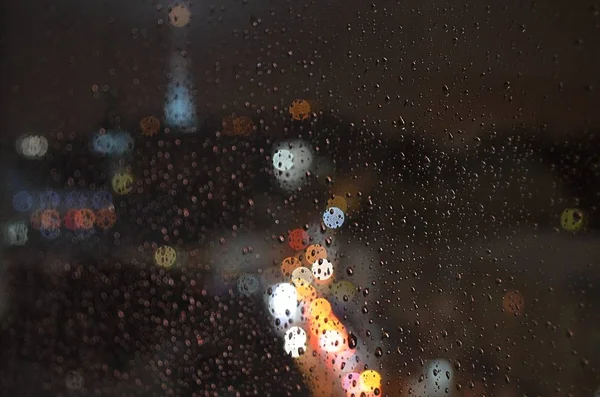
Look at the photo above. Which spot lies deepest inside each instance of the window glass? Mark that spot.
(259, 198)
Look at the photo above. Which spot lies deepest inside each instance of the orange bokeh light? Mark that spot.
(288, 265)
(50, 219)
(106, 218)
(85, 218)
(314, 253)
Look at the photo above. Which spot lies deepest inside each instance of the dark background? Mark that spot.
(462, 186)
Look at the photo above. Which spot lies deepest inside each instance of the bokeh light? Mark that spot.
(32, 146)
(333, 217)
(106, 218)
(288, 265)
(234, 125)
(439, 377)
(35, 219)
(300, 109)
(306, 293)
(572, 219)
(69, 219)
(150, 125)
(322, 271)
(338, 202)
(74, 380)
(291, 162)
(165, 256)
(179, 15)
(343, 290)
(16, 233)
(22, 201)
(122, 183)
(248, 284)
(85, 218)
(77, 199)
(49, 199)
(50, 219)
(314, 253)
(302, 276)
(332, 340)
(50, 234)
(180, 111)
(180, 106)
(351, 383)
(513, 303)
(298, 239)
(370, 380)
(282, 301)
(112, 143)
(319, 308)
(283, 160)
(102, 199)
(295, 341)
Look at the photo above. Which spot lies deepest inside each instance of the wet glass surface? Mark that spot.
(278, 198)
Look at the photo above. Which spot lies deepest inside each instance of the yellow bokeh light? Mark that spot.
(318, 325)
(319, 308)
(343, 290)
(165, 256)
(572, 219)
(122, 183)
(306, 292)
(339, 202)
(370, 380)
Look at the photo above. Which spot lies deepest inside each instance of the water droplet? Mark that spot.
(352, 341)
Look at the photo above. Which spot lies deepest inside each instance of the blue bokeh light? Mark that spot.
(50, 234)
(112, 143)
(76, 199)
(180, 112)
(49, 199)
(22, 201)
(102, 199)
(333, 217)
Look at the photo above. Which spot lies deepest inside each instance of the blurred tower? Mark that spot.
(180, 106)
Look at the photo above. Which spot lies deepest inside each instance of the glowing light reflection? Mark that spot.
(180, 107)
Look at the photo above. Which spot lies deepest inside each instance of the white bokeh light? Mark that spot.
(302, 275)
(74, 380)
(322, 270)
(283, 160)
(332, 341)
(439, 377)
(283, 301)
(295, 341)
(32, 146)
(16, 233)
(291, 161)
